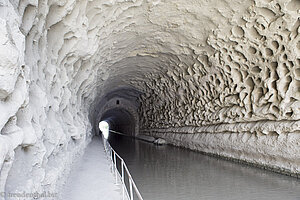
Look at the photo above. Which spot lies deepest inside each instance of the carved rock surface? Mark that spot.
(221, 77)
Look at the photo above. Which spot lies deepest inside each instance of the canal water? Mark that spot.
(171, 173)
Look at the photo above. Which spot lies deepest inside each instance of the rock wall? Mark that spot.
(224, 74)
(43, 122)
(241, 100)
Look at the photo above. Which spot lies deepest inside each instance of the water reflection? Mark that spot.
(167, 172)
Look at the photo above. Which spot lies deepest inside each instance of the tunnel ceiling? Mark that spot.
(181, 63)
(197, 62)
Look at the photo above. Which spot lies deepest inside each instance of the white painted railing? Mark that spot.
(120, 176)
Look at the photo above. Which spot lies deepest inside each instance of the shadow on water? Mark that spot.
(169, 173)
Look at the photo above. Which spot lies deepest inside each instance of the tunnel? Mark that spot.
(217, 77)
(120, 120)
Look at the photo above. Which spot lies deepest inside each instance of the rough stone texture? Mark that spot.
(241, 99)
(224, 74)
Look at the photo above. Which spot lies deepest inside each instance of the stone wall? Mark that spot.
(241, 100)
(224, 74)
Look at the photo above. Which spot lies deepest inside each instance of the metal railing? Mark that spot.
(122, 174)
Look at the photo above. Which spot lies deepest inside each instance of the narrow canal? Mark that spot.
(171, 173)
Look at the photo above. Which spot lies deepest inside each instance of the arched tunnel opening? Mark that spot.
(120, 120)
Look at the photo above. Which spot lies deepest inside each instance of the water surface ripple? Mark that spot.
(171, 173)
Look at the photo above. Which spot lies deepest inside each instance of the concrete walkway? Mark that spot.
(92, 178)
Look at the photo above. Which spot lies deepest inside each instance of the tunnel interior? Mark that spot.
(221, 77)
(120, 120)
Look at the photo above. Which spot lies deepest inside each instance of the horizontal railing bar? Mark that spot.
(129, 175)
(123, 183)
(113, 155)
(120, 133)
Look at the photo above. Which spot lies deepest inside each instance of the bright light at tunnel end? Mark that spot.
(104, 128)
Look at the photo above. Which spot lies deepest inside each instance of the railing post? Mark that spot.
(130, 186)
(112, 161)
(114, 156)
(115, 166)
(123, 179)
